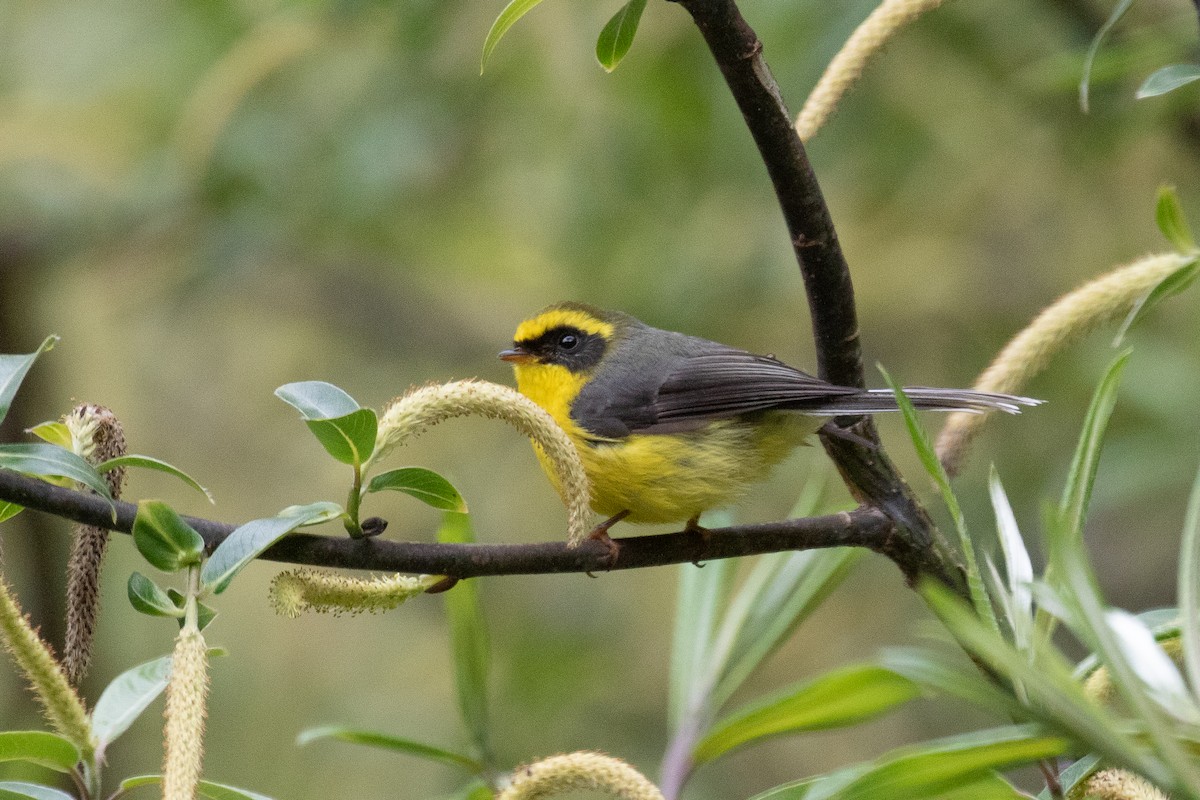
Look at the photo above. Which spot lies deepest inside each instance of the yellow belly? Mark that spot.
(675, 477)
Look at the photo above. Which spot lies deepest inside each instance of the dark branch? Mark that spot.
(861, 528)
(872, 479)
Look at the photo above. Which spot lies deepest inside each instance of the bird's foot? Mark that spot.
(600, 534)
(693, 527)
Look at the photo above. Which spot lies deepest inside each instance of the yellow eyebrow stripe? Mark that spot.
(531, 329)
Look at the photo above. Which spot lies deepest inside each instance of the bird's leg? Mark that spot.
(600, 534)
(693, 526)
(844, 434)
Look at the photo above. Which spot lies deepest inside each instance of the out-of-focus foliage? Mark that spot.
(209, 200)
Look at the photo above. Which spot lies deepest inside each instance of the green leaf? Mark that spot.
(1018, 568)
(1073, 775)
(423, 484)
(213, 791)
(1054, 697)
(9, 510)
(46, 460)
(248, 541)
(204, 613)
(164, 539)
(30, 791)
(56, 433)
(1077, 493)
(1113, 18)
(317, 399)
(1168, 79)
(1188, 588)
(701, 596)
(1168, 213)
(146, 597)
(38, 747)
(468, 633)
(129, 694)
(944, 765)
(779, 594)
(149, 462)
(508, 17)
(936, 672)
(475, 790)
(933, 466)
(395, 743)
(349, 439)
(13, 370)
(617, 35)
(842, 697)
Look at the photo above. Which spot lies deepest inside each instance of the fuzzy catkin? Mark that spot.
(846, 67)
(1104, 299)
(425, 406)
(296, 591)
(579, 771)
(60, 704)
(96, 436)
(1116, 784)
(183, 734)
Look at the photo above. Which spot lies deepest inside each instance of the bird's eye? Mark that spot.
(568, 341)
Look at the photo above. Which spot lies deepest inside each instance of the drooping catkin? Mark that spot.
(579, 771)
(846, 67)
(424, 406)
(96, 436)
(61, 705)
(296, 591)
(183, 735)
(1104, 299)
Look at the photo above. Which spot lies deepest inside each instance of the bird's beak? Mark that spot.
(517, 355)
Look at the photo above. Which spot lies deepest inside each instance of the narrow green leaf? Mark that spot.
(1168, 213)
(55, 433)
(1188, 590)
(1152, 666)
(475, 790)
(1085, 81)
(38, 747)
(124, 700)
(1073, 775)
(317, 399)
(933, 466)
(936, 672)
(469, 637)
(31, 791)
(248, 541)
(1054, 696)
(701, 596)
(941, 766)
(13, 370)
(1078, 490)
(395, 743)
(149, 462)
(1168, 79)
(617, 35)
(164, 539)
(989, 787)
(423, 484)
(9, 510)
(842, 697)
(349, 439)
(508, 17)
(1179, 280)
(46, 460)
(792, 588)
(205, 614)
(146, 597)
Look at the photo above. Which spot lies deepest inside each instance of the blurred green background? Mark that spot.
(210, 199)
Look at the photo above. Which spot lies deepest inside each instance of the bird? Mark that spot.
(669, 426)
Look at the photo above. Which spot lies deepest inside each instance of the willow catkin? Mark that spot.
(846, 67)
(61, 705)
(425, 406)
(579, 771)
(1116, 784)
(183, 735)
(1104, 299)
(296, 591)
(96, 436)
